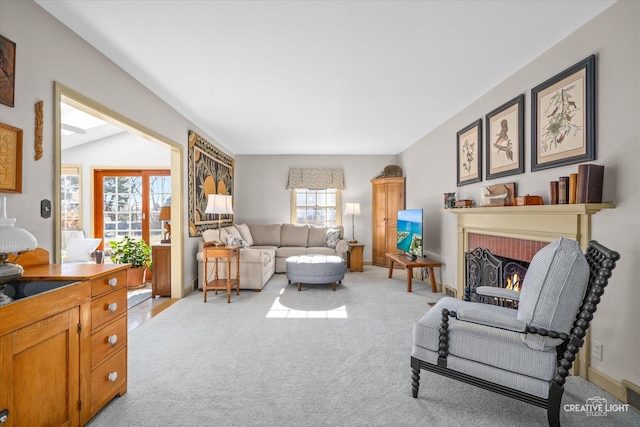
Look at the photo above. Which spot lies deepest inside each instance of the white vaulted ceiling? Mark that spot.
(321, 77)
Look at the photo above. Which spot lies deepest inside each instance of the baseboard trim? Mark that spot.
(605, 382)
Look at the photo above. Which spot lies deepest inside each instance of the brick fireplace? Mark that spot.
(519, 232)
(507, 247)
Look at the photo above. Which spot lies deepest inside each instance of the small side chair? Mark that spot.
(527, 353)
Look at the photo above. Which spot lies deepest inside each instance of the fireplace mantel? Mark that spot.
(543, 223)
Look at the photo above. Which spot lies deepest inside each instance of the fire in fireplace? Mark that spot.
(482, 268)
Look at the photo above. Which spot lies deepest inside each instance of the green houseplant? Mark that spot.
(134, 252)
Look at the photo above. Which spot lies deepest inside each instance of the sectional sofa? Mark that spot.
(267, 247)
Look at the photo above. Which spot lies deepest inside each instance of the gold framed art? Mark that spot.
(10, 159)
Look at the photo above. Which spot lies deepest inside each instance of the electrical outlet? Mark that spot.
(597, 350)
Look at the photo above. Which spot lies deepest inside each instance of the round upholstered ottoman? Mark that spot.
(315, 269)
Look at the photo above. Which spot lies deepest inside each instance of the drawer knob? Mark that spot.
(112, 307)
(113, 376)
(113, 281)
(113, 339)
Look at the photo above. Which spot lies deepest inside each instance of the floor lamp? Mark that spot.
(353, 209)
(220, 204)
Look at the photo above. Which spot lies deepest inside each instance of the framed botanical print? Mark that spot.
(505, 139)
(563, 116)
(469, 146)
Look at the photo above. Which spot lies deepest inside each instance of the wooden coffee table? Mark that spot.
(409, 264)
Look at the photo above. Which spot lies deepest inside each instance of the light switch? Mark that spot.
(45, 208)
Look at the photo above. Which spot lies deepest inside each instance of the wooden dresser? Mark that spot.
(64, 351)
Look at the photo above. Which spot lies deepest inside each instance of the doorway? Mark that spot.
(66, 96)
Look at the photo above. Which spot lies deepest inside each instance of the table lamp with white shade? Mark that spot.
(12, 240)
(221, 204)
(352, 209)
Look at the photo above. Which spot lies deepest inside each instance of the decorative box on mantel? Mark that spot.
(528, 200)
(539, 223)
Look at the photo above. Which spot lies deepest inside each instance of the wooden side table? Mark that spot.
(226, 252)
(409, 264)
(354, 257)
(161, 275)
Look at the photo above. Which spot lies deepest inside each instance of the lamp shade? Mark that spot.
(219, 204)
(165, 213)
(352, 209)
(13, 239)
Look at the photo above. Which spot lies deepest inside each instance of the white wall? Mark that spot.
(262, 197)
(430, 165)
(47, 51)
(124, 150)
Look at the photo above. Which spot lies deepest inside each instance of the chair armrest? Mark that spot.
(491, 319)
(492, 291)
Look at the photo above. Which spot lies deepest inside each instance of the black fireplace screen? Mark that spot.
(482, 268)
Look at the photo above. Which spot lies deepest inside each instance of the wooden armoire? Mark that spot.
(388, 199)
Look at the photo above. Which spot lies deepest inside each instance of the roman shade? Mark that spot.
(316, 179)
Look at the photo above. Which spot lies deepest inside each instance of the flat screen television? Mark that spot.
(409, 228)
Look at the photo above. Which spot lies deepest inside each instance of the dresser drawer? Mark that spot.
(109, 282)
(108, 307)
(108, 378)
(108, 340)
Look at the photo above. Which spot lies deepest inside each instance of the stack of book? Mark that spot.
(589, 183)
(582, 187)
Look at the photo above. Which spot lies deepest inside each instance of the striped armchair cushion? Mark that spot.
(552, 291)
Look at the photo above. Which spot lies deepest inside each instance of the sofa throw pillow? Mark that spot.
(79, 250)
(233, 240)
(331, 238)
(245, 233)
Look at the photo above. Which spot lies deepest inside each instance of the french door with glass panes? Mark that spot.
(128, 203)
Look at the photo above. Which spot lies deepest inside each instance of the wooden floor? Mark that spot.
(147, 309)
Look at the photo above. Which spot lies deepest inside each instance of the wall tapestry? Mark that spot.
(210, 172)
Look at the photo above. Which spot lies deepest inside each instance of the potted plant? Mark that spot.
(134, 252)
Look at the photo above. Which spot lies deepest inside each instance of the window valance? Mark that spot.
(316, 179)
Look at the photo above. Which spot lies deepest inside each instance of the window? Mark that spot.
(318, 208)
(128, 203)
(70, 198)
